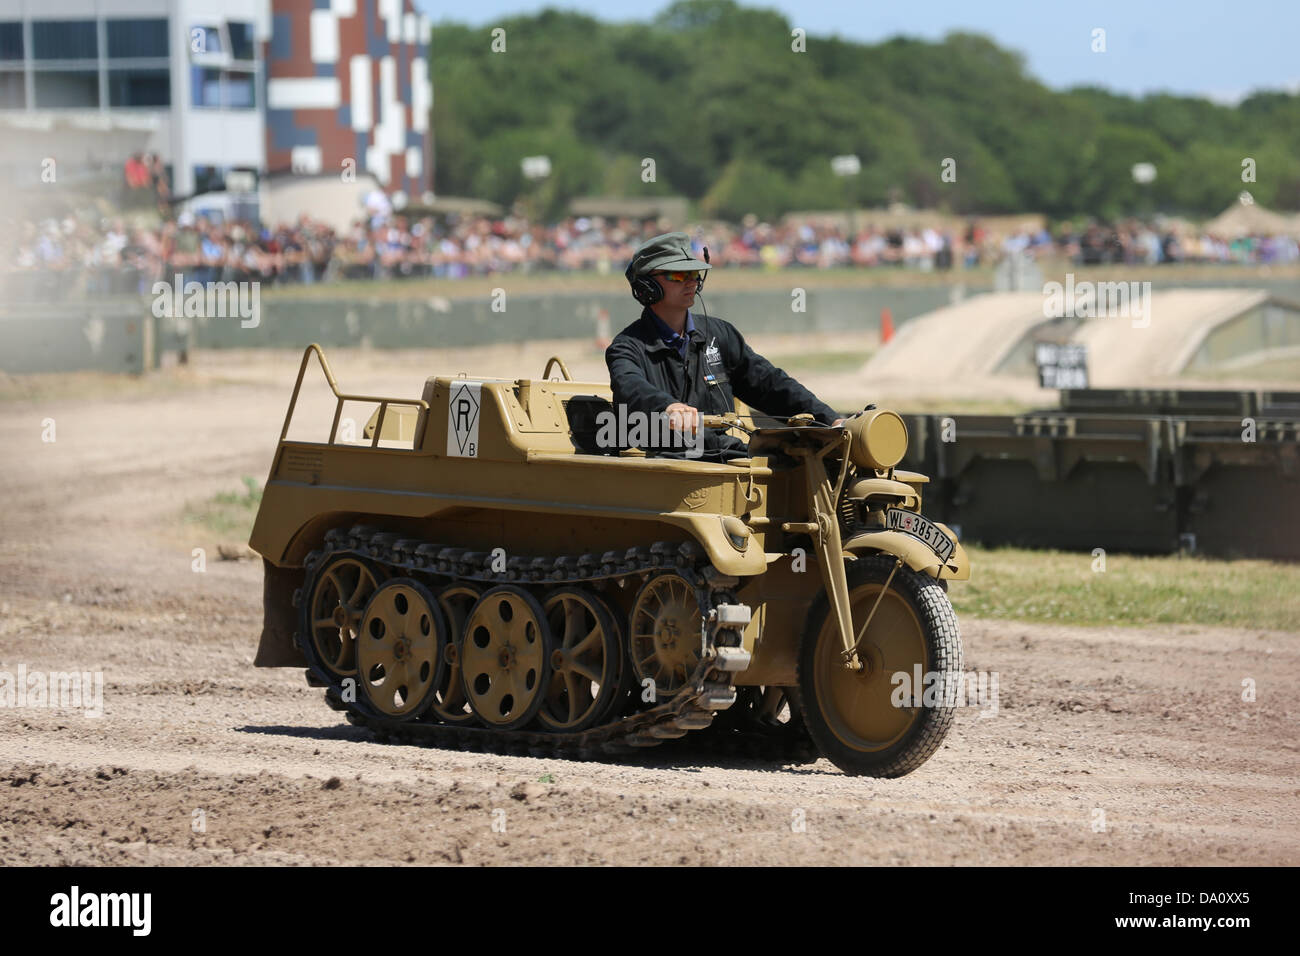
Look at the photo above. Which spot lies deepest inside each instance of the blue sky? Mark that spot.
(1203, 47)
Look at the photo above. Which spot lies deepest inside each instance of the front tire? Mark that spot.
(851, 715)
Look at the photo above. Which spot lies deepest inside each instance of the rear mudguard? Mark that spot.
(915, 553)
(279, 618)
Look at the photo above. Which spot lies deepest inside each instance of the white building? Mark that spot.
(89, 82)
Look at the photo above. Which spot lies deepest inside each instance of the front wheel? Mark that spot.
(864, 721)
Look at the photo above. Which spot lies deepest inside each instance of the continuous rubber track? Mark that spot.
(438, 565)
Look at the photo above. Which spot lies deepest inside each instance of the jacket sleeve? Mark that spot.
(761, 385)
(627, 376)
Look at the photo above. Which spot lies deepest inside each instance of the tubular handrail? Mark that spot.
(343, 397)
(564, 369)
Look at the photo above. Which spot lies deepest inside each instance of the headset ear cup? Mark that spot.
(646, 291)
(652, 292)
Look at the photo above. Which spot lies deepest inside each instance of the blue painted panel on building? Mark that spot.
(284, 133)
(281, 36)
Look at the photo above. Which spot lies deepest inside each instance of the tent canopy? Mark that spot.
(1252, 219)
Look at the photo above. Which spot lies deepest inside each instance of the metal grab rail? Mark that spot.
(342, 397)
(564, 369)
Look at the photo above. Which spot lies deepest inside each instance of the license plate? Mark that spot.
(897, 519)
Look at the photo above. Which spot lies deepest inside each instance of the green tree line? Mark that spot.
(739, 122)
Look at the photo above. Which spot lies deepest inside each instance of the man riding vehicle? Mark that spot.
(675, 362)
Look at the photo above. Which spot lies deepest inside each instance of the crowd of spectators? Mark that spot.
(98, 256)
(1134, 242)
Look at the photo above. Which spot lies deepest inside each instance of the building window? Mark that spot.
(137, 38)
(13, 92)
(65, 40)
(209, 179)
(239, 91)
(241, 40)
(205, 87)
(241, 179)
(68, 89)
(222, 89)
(139, 88)
(11, 41)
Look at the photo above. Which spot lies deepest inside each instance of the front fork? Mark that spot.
(824, 530)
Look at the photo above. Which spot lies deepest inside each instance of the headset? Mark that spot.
(645, 289)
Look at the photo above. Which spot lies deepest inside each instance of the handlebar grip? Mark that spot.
(718, 421)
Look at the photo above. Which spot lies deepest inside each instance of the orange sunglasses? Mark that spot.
(696, 276)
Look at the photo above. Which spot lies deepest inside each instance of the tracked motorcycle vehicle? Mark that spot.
(479, 570)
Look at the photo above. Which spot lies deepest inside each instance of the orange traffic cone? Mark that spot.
(602, 330)
(886, 326)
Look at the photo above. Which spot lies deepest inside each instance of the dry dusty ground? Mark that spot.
(1145, 725)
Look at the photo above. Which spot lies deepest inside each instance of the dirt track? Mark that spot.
(1146, 725)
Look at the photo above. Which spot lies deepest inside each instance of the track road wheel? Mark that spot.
(851, 715)
(400, 649)
(665, 634)
(450, 704)
(506, 657)
(340, 590)
(586, 664)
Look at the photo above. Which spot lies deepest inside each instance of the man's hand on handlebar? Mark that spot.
(683, 417)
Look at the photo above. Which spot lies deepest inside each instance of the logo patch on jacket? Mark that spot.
(713, 363)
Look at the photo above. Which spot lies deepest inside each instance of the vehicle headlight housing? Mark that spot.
(879, 439)
(737, 532)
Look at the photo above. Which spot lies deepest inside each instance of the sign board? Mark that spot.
(462, 419)
(241, 181)
(536, 167)
(847, 165)
(1061, 366)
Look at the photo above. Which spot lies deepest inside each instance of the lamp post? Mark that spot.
(845, 167)
(1144, 174)
(535, 169)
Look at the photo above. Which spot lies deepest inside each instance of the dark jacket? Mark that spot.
(647, 376)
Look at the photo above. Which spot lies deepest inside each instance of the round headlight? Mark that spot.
(879, 439)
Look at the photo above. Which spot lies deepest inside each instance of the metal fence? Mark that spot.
(1215, 472)
(112, 335)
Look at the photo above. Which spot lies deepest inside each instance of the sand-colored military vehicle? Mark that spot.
(479, 569)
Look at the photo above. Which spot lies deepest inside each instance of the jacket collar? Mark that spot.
(649, 327)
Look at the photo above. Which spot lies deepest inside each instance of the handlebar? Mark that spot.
(731, 419)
